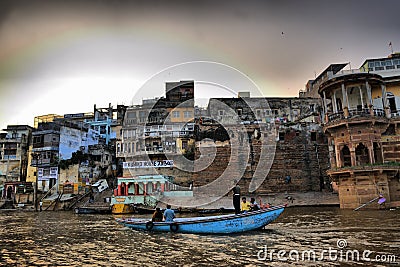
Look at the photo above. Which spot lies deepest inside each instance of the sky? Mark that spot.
(59, 57)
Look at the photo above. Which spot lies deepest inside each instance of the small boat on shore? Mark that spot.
(220, 224)
(93, 210)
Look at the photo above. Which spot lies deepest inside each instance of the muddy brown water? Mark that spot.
(300, 235)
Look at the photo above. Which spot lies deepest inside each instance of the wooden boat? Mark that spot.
(93, 210)
(221, 224)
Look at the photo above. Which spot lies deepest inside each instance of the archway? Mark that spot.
(362, 155)
(346, 156)
(9, 192)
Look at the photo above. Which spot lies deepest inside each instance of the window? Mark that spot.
(37, 139)
(184, 144)
(176, 114)
(221, 112)
(371, 64)
(239, 111)
(132, 114)
(313, 136)
(187, 114)
(281, 136)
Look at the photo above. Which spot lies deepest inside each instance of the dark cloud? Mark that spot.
(41, 40)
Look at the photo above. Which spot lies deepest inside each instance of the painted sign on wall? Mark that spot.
(148, 164)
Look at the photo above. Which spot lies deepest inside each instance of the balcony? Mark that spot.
(51, 145)
(17, 140)
(11, 157)
(388, 166)
(354, 113)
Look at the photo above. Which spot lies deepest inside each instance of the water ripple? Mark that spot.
(67, 239)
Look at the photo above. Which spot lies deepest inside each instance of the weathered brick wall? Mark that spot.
(296, 156)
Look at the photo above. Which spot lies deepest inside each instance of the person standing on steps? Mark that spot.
(236, 198)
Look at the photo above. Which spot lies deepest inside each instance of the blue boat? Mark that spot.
(220, 224)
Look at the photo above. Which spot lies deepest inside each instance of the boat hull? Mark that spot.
(91, 210)
(121, 208)
(222, 224)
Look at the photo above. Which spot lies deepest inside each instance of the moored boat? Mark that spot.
(221, 224)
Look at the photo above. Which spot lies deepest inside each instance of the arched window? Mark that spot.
(346, 156)
(392, 102)
(362, 155)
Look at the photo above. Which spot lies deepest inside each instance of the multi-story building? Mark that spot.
(361, 117)
(56, 141)
(14, 145)
(154, 137)
(159, 129)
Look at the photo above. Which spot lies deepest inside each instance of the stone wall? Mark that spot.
(296, 155)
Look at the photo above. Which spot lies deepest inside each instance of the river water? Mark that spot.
(68, 239)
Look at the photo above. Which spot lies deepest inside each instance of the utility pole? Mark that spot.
(35, 157)
(8, 163)
(36, 188)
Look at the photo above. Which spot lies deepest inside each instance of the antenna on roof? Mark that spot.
(391, 47)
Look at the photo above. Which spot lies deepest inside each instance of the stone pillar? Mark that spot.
(324, 108)
(371, 153)
(361, 97)
(144, 188)
(353, 156)
(345, 101)
(332, 156)
(369, 95)
(339, 160)
(335, 110)
(385, 102)
(162, 187)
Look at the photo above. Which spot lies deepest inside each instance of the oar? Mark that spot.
(369, 202)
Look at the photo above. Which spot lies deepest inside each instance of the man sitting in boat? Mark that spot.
(169, 214)
(157, 216)
(254, 204)
(245, 206)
